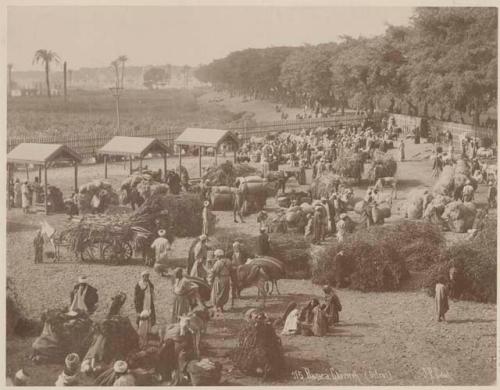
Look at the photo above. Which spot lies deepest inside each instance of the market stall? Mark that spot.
(133, 147)
(42, 155)
(206, 138)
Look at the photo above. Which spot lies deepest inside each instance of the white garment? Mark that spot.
(161, 246)
(79, 300)
(147, 296)
(292, 323)
(67, 380)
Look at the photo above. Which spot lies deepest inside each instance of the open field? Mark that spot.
(382, 339)
(94, 112)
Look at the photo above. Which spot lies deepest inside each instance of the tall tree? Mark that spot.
(121, 60)
(46, 57)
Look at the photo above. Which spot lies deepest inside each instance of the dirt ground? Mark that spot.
(382, 339)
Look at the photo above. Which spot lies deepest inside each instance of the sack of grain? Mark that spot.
(250, 179)
(359, 206)
(221, 190)
(283, 201)
(293, 216)
(385, 210)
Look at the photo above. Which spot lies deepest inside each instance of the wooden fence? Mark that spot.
(89, 144)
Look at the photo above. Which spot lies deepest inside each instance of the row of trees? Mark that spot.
(444, 64)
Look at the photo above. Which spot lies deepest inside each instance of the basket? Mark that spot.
(204, 376)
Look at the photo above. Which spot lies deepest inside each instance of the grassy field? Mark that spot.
(382, 339)
(93, 112)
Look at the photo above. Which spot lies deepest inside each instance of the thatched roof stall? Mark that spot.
(42, 155)
(133, 147)
(206, 138)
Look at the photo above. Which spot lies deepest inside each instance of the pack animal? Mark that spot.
(391, 182)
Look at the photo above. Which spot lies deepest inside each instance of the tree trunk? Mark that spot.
(123, 72)
(391, 106)
(47, 78)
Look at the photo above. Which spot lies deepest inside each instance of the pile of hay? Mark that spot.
(184, 211)
(378, 259)
(383, 165)
(16, 323)
(145, 186)
(226, 173)
(324, 185)
(416, 202)
(259, 351)
(55, 200)
(96, 187)
(349, 165)
(221, 197)
(290, 248)
(476, 262)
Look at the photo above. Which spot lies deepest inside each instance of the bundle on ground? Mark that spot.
(96, 196)
(475, 263)
(226, 173)
(324, 185)
(144, 185)
(371, 261)
(16, 322)
(383, 165)
(222, 197)
(61, 335)
(416, 203)
(259, 351)
(349, 165)
(184, 210)
(460, 216)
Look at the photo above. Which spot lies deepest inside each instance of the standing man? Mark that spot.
(401, 150)
(441, 299)
(237, 259)
(237, 204)
(83, 297)
(264, 243)
(220, 280)
(161, 245)
(25, 197)
(205, 214)
(144, 298)
(199, 252)
(38, 244)
(317, 225)
(492, 195)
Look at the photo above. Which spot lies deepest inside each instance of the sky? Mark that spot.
(92, 36)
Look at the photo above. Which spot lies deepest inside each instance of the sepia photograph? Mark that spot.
(249, 194)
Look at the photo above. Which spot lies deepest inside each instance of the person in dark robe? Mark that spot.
(83, 297)
(144, 297)
(38, 245)
(340, 265)
(306, 316)
(441, 299)
(333, 306)
(238, 200)
(318, 226)
(319, 325)
(492, 195)
(263, 243)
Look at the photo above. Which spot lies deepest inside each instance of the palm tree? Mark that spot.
(122, 59)
(115, 65)
(46, 56)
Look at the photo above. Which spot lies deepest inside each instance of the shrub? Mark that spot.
(476, 262)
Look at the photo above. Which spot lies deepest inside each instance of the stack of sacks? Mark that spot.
(255, 190)
(294, 215)
(87, 191)
(460, 216)
(145, 186)
(381, 212)
(417, 200)
(221, 197)
(485, 152)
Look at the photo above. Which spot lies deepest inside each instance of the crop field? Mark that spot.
(94, 112)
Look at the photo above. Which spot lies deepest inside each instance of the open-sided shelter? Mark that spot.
(206, 138)
(133, 147)
(42, 155)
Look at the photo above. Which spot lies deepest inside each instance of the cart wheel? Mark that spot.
(111, 254)
(127, 251)
(90, 252)
(267, 287)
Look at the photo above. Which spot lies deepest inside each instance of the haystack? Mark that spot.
(460, 216)
(324, 185)
(102, 189)
(349, 165)
(145, 186)
(259, 351)
(221, 197)
(383, 165)
(226, 173)
(185, 210)
(416, 202)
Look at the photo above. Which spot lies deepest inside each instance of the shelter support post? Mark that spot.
(199, 159)
(45, 186)
(39, 173)
(216, 150)
(165, 166)
(76, 177)
(235, 154)
(180, 158)
(140, 165)
(9, 178)
(130, 164)
(27, 172)
(105, 166)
